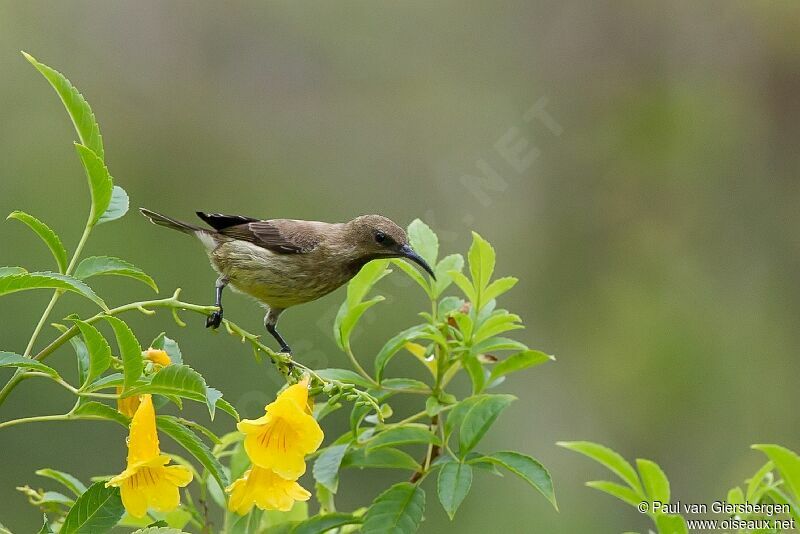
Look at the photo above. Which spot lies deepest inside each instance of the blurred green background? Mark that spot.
(640, 175)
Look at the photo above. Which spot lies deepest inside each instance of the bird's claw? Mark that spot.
(214, 320)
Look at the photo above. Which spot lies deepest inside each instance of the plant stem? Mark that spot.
(36, 419)
(359, 368)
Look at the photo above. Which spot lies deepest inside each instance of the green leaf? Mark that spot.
(117, 206)
(671, 524)
(408, 384)
(350, 320)
(623, 493)
(344, 375)
(655, 482)
(517, 362)
(97, 410)
(67, 480)
(326, 467)
(477, 374)
(527, 468)
(324, 523)
(464, 285)
(451, 263)
(99, 351)
(189, 441)
(129, 350)
(479, 418)
(402, 435)
(424, 241)
(386, 457)
(47, 235)
(47, 280)
(755, 481)
(174, 379)
(101, 184)
(397, 510)
(158, 530)
(498, 287)
(481, 266)
(455, 480)
(97, 510)
(77, 107)
(367, 277)
(608, 458)
(9, 359)
(8, 271)
(393, 346)
(106, 265)
(497, 323)
(787, 462)
(81, 353)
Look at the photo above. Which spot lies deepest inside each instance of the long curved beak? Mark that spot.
(408, 252)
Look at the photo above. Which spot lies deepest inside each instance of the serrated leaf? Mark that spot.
(8, 271)
(385, 457)
(97, 410)
(9, 359)
(189, 441)
(107, 265)
(621, 492)
(498, 287)
(393, 346)
(47, 280)
(129, 350)
(655, 482)
(464, 285)
(117, 206)
(47, 235)
(175, 379)
(326, 466)
(451, 263)
(213, 395)
(527, 468)
(101, 184)
(787, 462)
(76, 105)
(397, 510)
(81, 353)
(479, 418)
(609, 458)
(403, 435)
(68, 481)
(455, 480)
(424, 241)
(99, 350)
(98, 509)
(519, 361)
(344, 375)
(481, 266)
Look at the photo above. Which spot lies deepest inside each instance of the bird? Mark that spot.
(286, 262)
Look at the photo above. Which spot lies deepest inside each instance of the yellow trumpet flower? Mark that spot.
(157, 356)
(286, 433)
(148, 481)
(265, 489)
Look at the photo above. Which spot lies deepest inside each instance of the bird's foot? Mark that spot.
(286, 349)
(214, 320)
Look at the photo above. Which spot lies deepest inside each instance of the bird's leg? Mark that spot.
(270, 320)
(214, 320)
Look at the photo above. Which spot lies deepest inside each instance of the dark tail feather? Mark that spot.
(163, 220)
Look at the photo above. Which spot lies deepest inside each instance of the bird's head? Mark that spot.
(375, 236)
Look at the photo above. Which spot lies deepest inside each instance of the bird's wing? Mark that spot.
(220, 221)
(283, 236)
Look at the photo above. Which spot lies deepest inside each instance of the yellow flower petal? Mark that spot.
(128, 405)
(265, 489)
(157, 356)
(143, 438)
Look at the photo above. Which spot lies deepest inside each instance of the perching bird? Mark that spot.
(286, 262)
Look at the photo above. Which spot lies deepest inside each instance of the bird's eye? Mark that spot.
(380, 237)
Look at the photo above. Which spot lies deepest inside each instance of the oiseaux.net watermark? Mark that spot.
(745, 515)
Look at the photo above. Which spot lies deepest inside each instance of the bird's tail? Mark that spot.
(163, 220)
